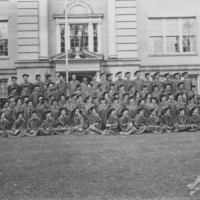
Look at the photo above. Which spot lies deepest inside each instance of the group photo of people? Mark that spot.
(127, 106)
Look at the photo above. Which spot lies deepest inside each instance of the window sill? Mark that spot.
(4, 58)
(173, 55)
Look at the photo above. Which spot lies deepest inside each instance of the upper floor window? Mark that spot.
(80, 37)
(3, 38)
(172, 36)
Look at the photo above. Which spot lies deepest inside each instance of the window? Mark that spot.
(172, 36)
(95, 33)
(3, 39)
(79, 37)
(3, 88)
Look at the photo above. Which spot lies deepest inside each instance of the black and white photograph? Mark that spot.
(99, 99)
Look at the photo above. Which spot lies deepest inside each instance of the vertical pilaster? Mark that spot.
(99, 31)
(112, 50)
(43, 29)
(91, 37)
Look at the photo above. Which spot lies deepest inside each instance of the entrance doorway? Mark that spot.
(80, 75)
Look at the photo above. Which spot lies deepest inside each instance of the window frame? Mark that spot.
(5, 38)
(180, 35)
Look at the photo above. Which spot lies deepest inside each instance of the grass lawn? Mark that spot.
(157, 167)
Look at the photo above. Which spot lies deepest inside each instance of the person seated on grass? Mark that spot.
(33, 124)
(77, 121)
(48, 125)
(141, 122)
(19, 126)
(194, 119)
(94, 122)
(126, 124)
(63, 122)
(183, 121)
(8, 112)
(168, 121)
(112, 124)
(4, 125)
(154, 122)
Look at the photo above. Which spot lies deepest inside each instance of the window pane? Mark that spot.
(171, 26)
(155, 27)
(172, 44)
(3, 89)
(95, 33)
(189, 43)
(3, 47)
(156, 45)
(188, 26)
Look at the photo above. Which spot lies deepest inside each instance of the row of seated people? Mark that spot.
(119, 119)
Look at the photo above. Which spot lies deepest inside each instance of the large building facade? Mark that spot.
(102, 35)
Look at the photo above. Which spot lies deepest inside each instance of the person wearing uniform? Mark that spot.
(73, 84)
(14, 85)
(187, 83)
(103, 81)
(138, 82)
(19, 126)
(94, 82)
(26, 83)
(40, 83)
(175, 82)
(94, 122)
(34, 96)
(183, 121)
(4, 125)
(61, 86)
(119, 80)
(84, 84)
(77, 122)
(127, 82)
(48, 126)
(148, 82)
(157, 81)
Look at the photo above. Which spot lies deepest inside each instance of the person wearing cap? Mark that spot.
(116, 105)
(172, 104)
(193, 92)
(51, 91)
(35, 94)
(119, 81)
(124, 100)
(14, 93)
(154, 123)
(18, 108)
(99, 91)
(148, 82)
(102, 110)
(191, 104)
(112, 123)
(77, 122)
(15, 85)
(142, 105)
(88, 104)
(168, 121)
(125, 124)
(132, 107)
(63, 122)
(103, 81)
(154, 105)
(40, 83)
(94, 122)
(12, 103)
(175, 82)
(187, 83)
(33, 124)
(157, 81)
(179, 102)
(54, 109)
(167, 80)
(84, 84)
(127, 82)
(138, 82)
(180, 89)
(49, 79)
(25, 99)
(8, 112)
(121, 90)
(25, 92)
(141, 122)
(73, 84)
(94, 82)
(48, 125)
(61, 86)
(107, 98)
(40, 106)
(4, 125)
(144, 91)
(19, 126)
(62, 101)
(110, 80)
(112, 90)
(89, 91)
(156, 93)
(26, 83)
(194, 119)
(183, 121)
(28, 110)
